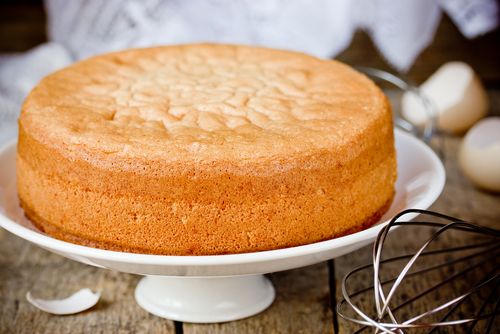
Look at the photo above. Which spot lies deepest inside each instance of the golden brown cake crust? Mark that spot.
(205, 149)
(50, 229)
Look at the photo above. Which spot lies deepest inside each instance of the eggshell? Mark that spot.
(78, 302)
(479, 155)
(457, 95)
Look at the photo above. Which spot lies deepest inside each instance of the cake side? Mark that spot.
(226, 213)
(194, 249)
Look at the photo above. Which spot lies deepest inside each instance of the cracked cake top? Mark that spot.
(202, 103)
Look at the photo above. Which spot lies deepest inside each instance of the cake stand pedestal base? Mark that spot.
(204, 299)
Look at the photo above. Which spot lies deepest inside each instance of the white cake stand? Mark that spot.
(204, 289)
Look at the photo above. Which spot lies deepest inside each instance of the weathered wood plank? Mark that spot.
(25, 267)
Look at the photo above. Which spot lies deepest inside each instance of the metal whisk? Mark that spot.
(480, 299)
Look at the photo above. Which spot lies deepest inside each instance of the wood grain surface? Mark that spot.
(306, 296)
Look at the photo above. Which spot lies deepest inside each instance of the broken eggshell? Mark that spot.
(479, 155)
(78, 302)
(456, 94)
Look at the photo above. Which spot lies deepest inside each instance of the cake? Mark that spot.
(204, 149)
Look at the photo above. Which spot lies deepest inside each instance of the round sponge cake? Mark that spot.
(205, 149)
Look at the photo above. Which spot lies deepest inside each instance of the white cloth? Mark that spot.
(400, 29)
(19, 74)
(473, 17)
(81, 28)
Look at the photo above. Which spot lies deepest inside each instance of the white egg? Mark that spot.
(457, 95)
(479, 154)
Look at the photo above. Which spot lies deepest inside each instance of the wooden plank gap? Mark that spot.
(179, 327)
(332, 283)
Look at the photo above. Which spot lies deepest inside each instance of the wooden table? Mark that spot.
(305, 297)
